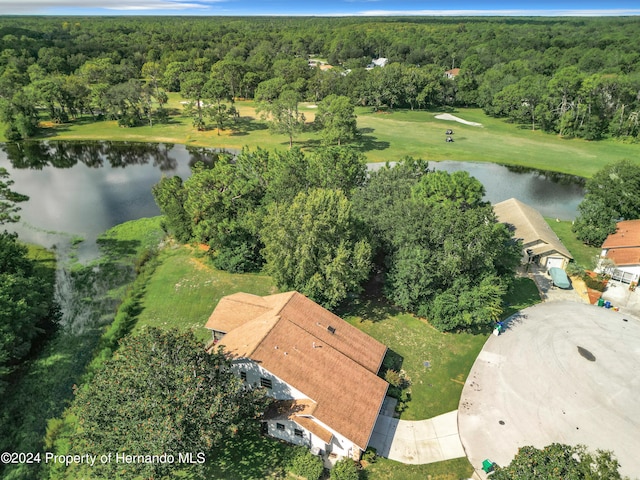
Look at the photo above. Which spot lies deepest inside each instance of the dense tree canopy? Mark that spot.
(26, 304)
(447, 258)
(612, 195)
(224, 201)
(313, 245)
(560, 462)
(161, 393)
(573, 77)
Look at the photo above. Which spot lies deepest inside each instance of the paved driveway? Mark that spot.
(549, 291)
(561, 372)
(418, 442)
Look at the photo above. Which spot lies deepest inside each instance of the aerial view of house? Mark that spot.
(321, 370)
(540, 244)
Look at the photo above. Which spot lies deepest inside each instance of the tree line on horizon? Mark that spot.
(574, 77)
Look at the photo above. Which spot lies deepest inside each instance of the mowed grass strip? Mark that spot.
(583, 255)
(185, 289)
(384, 469)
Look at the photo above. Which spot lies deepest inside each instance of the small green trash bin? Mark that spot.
(601, 302)
(488, 465)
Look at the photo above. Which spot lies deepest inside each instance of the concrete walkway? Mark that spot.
(418, 442)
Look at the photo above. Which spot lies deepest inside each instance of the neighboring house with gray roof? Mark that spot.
(321, 370)
(540, 243)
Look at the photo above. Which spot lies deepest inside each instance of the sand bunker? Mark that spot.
(448, 116)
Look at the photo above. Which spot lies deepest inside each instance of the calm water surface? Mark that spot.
(81, 189)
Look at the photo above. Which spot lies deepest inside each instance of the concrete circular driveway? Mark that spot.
(562, 372)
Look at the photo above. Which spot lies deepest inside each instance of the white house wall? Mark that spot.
(288, 434)
(340, 445)
(280, 390)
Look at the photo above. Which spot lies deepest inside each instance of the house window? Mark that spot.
(243, 376)
(297, 432)
(265, 382)
(279, 426)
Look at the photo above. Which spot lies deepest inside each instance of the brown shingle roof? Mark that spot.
(627, 235)
(530, 226)
(624, 256)
(337, 370)
(300, 411)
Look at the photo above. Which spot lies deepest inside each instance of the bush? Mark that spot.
(344, 469)
(594, 283)
(370, 455)
(305, 464)
(393, 377)
(574, 270)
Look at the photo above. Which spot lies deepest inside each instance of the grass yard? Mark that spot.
(386, 136)
(583, 255)
(384, 469)
(435, 389)
(185, 288)
(522, 294)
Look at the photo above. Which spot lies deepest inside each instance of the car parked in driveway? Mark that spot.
(559, 277)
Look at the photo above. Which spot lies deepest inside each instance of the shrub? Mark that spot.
(344, 469)
(370, 455)
(594, 283)
(393, 377)
(574, 270)
(305, 464)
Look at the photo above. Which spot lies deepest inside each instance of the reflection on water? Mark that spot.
(83, 188)
(553, 194)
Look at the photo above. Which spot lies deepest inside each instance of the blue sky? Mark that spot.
(318, 7)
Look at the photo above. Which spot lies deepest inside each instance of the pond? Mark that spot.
(80, 189)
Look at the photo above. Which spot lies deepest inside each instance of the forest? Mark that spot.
(576, 77)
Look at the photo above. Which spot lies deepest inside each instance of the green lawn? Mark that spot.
(384, 469)
(386, 136)
(185, 288)
(522, 294)
(583, 255)
(420, 134)
(435, 389)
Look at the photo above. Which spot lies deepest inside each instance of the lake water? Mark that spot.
(81, 189)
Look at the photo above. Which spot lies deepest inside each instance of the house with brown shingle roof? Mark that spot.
(622, 249)
(321, 371)
(540, 244)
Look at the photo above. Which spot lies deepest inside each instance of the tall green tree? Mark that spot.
(560, 462)
(446, 256)
(337, 119)
(161, 393)
(611, 196)
(9, 199)
(283, 115)
(170, 196)
(192, 87)
(313, 245)
(26, 304)
(220, 108)
(223, 205)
